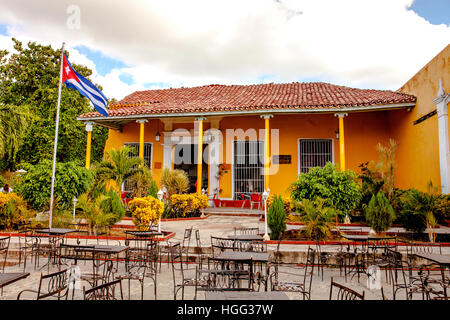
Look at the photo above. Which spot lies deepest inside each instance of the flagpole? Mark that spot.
(50, 218)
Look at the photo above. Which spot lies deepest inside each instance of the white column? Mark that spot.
(167, 150)
(214, 161)
(441, 102)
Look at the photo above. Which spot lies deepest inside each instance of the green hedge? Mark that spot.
(72, 179)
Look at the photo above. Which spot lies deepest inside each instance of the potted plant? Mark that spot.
(379, 213)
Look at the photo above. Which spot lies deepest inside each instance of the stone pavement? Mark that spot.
(216, 225)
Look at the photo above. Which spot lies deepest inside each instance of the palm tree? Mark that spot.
(13, 123)
(119, 166)
(317, 217)
(92, 211)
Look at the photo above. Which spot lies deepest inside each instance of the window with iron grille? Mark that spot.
(135, 153)
(314, 153)
(248, 167)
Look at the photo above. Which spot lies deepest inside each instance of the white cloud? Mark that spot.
(377, 44)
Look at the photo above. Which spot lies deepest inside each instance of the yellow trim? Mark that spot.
(200, 156)
(141, 140)
(266, 154)
(88, 149)
(341, 143)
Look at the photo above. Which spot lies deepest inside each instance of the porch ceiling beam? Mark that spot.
(109, 125)
(258, 112)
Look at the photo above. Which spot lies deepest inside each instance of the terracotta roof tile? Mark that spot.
(214, 98)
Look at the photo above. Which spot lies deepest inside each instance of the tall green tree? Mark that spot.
(29, 76)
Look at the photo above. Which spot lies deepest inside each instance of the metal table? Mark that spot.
(252, 295)
(55, 231)
(54, 234)
(260, 258)
(143, 234)
(442, 260)
(242, 256)
(8, 278)
(246, 237)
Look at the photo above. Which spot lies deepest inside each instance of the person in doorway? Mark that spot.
(6, 189)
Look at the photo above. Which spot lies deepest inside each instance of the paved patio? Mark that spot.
(217, 225)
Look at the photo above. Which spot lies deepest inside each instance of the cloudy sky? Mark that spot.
(135, 44)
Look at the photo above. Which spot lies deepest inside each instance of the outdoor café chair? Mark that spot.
(219, 245)
(180, 279)
(186, 242)
(4, 246)
(233, 277)
(295, 279)
(246, 230)
(410, 283)
(28, 243)
(256, 198)
(106, 291)
(141, 264)
(55, 284)
(344, 293)
(102, 271)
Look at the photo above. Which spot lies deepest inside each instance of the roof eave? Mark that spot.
(393, 106)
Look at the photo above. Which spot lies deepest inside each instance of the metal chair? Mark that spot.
(344, 293)
(199, 248)
(304, 282)
(256, 198)
(57, 284)
(229, 277)
(141, 264)
(180, 280)
(106, 291)
(219, 245)
(186, 242)
(28, 243)
(246, 230)
(4, 247)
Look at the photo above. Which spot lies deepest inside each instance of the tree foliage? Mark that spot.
(379, 213)
(276, 217)
(338, 187)
(29, 79)
(71, 181)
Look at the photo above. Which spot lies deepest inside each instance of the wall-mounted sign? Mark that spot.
(282, 159)
(157, 165)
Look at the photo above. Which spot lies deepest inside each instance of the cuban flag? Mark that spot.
(74, 80)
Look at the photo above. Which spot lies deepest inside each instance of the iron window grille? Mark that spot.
(248, 168)
(314, 153)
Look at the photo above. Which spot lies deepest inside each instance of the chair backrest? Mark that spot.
(255, 197)
(106, 291)
(187, 236)
(4, 243)
(344, 293)
(234, 277)
(54, 284)
(219, 245)
(197, 238)
(250, 245)
(309, 270)
(422, 247)
(246, 230)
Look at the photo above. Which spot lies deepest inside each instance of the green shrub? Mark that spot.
(379, 213)
(340, 188)
(176, 181)
(113, 205)
(276, 218)
(418, 209)
(153, 190)
(71, 181)
(318, 217)
(442, 208)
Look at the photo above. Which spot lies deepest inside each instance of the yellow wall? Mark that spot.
(418, 151)
(130, 134)
(362, 133)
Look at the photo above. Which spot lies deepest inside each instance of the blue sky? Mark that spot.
(376, 44)
(435, 11)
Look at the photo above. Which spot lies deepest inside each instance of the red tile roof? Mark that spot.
(218, 98)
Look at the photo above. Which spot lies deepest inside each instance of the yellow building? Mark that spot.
(256, 137)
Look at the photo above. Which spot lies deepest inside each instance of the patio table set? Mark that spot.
(238, 266)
